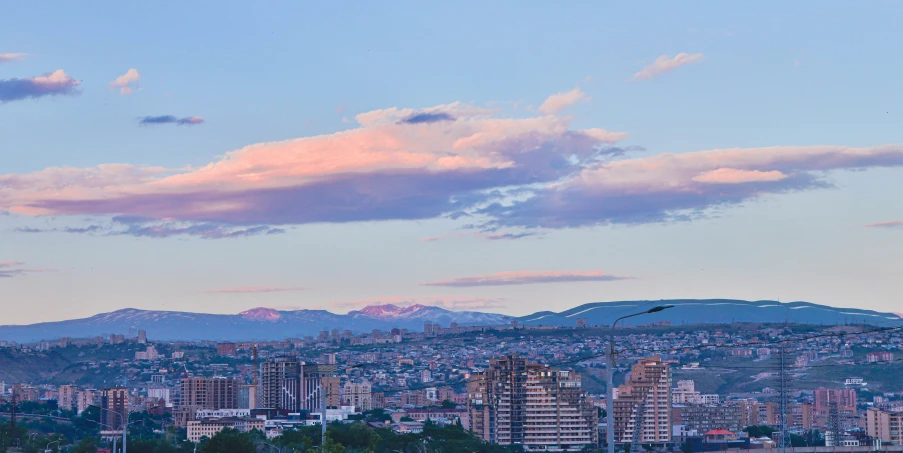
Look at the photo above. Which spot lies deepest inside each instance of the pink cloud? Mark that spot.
(735, 176)
(458, 303)
(432, 238)
(560, 101)
(887, 224)
(398, 164)
(50, 84)
(255, 289)
(527, 278)
(127, 83)
(672, 187)
(665, 63)
(4, 57)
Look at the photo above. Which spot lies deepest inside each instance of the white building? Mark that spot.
(198, 429)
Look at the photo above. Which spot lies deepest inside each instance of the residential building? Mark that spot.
(142, 337)
(646, 395)
(226, 349)
(884, 425)
(704, 418)
(515, 402)
(845, 399)
(114, 406)
(66, 398)
(359, 395)
(199, 429)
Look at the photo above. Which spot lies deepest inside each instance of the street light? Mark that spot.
(610, 425)
(47, 448)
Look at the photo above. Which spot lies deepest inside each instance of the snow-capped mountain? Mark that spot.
(269, 324)
(257, 323)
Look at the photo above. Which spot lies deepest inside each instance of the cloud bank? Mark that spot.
(887, 224)
(505, 174)
(527, 278)
(51, 84)
(665, 63)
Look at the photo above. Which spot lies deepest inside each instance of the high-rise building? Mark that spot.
(644, 402)
(359, 395)
(142, 337)
(114, 406)
(208, 393)
(516, 402)
(845, 399)
(884, 425)
(428, 328)
(291, 385)
(426, 376)
(66, 397)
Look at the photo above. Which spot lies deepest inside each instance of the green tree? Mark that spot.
(449, 404)
(230, 441)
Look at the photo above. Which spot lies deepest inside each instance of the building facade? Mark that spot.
(516, 402)
(647, 396)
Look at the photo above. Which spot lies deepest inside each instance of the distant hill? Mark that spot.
(269, 324)
(711, 311)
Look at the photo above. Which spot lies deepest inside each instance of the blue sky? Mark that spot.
(339, 205)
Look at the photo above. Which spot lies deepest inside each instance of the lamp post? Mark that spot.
(610, 425)
(47, 448)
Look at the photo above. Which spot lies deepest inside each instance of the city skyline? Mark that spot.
(306, 157)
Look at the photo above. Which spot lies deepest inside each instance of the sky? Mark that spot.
(499, 156)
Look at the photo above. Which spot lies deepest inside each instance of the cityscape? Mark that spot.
(708, 387)
(498, 226)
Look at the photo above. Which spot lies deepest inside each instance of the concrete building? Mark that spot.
(884, 425)
(359, 395)
(198, 429)
(704, 418)
(142, 337)
(208, 392)
(647, 395)
(114, 406)
(844, 398)
(228, 349)
(66, 398)
(519, 403)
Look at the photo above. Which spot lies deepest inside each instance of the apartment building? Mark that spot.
(884, 425)
(516, 402)
(644, 402)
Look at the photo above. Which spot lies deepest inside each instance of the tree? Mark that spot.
(759, 431)
(230, 441)
(449, 404)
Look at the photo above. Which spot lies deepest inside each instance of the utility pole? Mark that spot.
(322, 411)
(784, 396)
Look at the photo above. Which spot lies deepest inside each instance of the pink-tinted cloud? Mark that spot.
(50, 84)
(4, 57)
(673, 187)
(432, 238)
(735, 176)
(127, 83)
(560, 101)
(458, 303)
(528, 278)
(10, 269)
(255, 289)
(665, 63)
(887, 224)
(398, 164)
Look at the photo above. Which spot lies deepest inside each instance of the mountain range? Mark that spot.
(270, 324)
